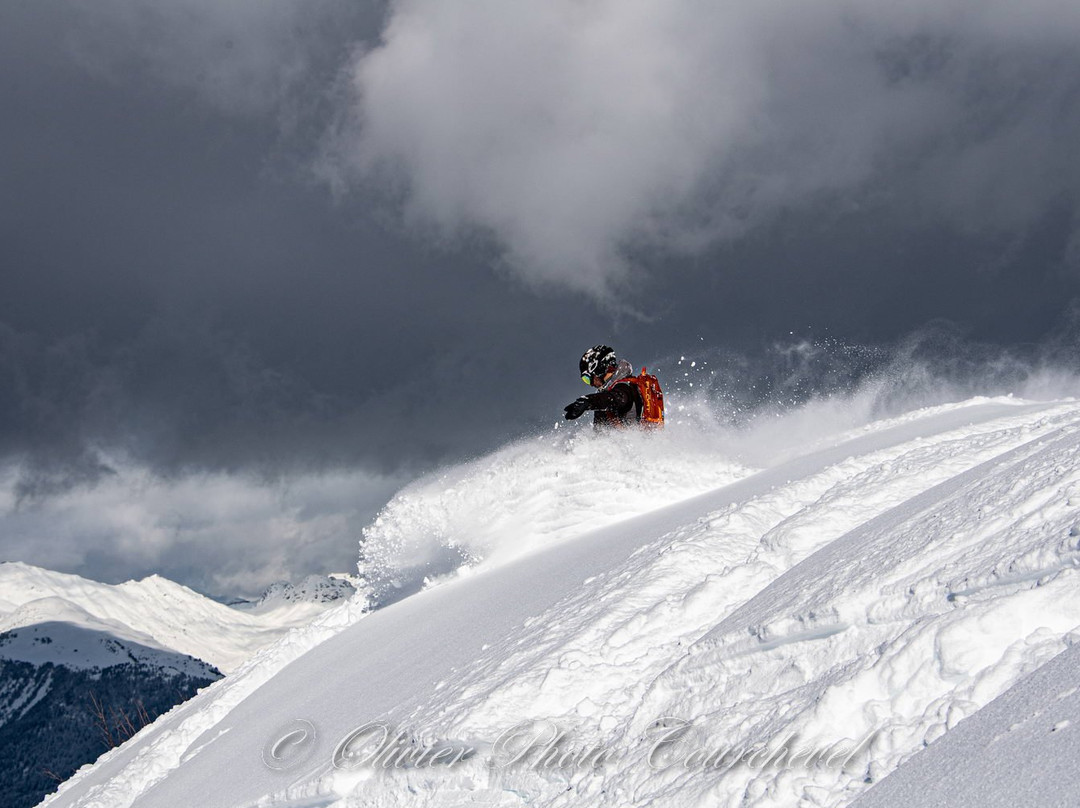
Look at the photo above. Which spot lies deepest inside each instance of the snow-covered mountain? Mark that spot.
(157, 612)
(78, 641)
(563, 626)
(72, 684)
(312, 590)
(83, 664)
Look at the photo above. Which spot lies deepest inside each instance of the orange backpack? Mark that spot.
(652, 397)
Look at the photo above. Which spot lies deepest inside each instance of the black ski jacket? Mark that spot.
(613, 404)
(619, 405)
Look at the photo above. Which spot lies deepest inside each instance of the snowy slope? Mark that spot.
(1021, 749)
(154, 612)
(875, 589)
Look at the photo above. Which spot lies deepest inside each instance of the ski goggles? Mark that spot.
(585, 377)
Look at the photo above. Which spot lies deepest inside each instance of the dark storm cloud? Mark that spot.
(581, 133)
(214, 367)
(206, 369)
(166, 289)
(242, 57)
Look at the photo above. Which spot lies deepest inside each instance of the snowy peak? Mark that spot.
(320, 589)
(59, 610)
(55, 631)
(157, 613)
(82, 647)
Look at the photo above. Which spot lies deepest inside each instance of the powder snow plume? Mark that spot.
(532, 493)
(728, 416)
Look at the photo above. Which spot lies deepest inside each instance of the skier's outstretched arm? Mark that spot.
(618, 398)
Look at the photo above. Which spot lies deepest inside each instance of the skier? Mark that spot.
(622, 396)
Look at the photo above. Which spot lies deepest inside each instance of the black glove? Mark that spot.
(576, 409)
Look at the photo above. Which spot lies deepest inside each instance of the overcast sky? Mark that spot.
(262, 262)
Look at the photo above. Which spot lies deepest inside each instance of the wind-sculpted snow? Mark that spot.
(1019, 750)
(788, 638)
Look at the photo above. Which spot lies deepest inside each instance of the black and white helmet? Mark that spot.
(596, 362)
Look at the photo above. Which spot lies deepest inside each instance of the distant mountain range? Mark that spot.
(84, 665)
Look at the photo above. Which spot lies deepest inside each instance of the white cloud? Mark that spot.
(221, 533)
(574, 131)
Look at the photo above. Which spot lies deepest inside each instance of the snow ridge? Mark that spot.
(321, 589)
(878, 588)
(153, 612)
